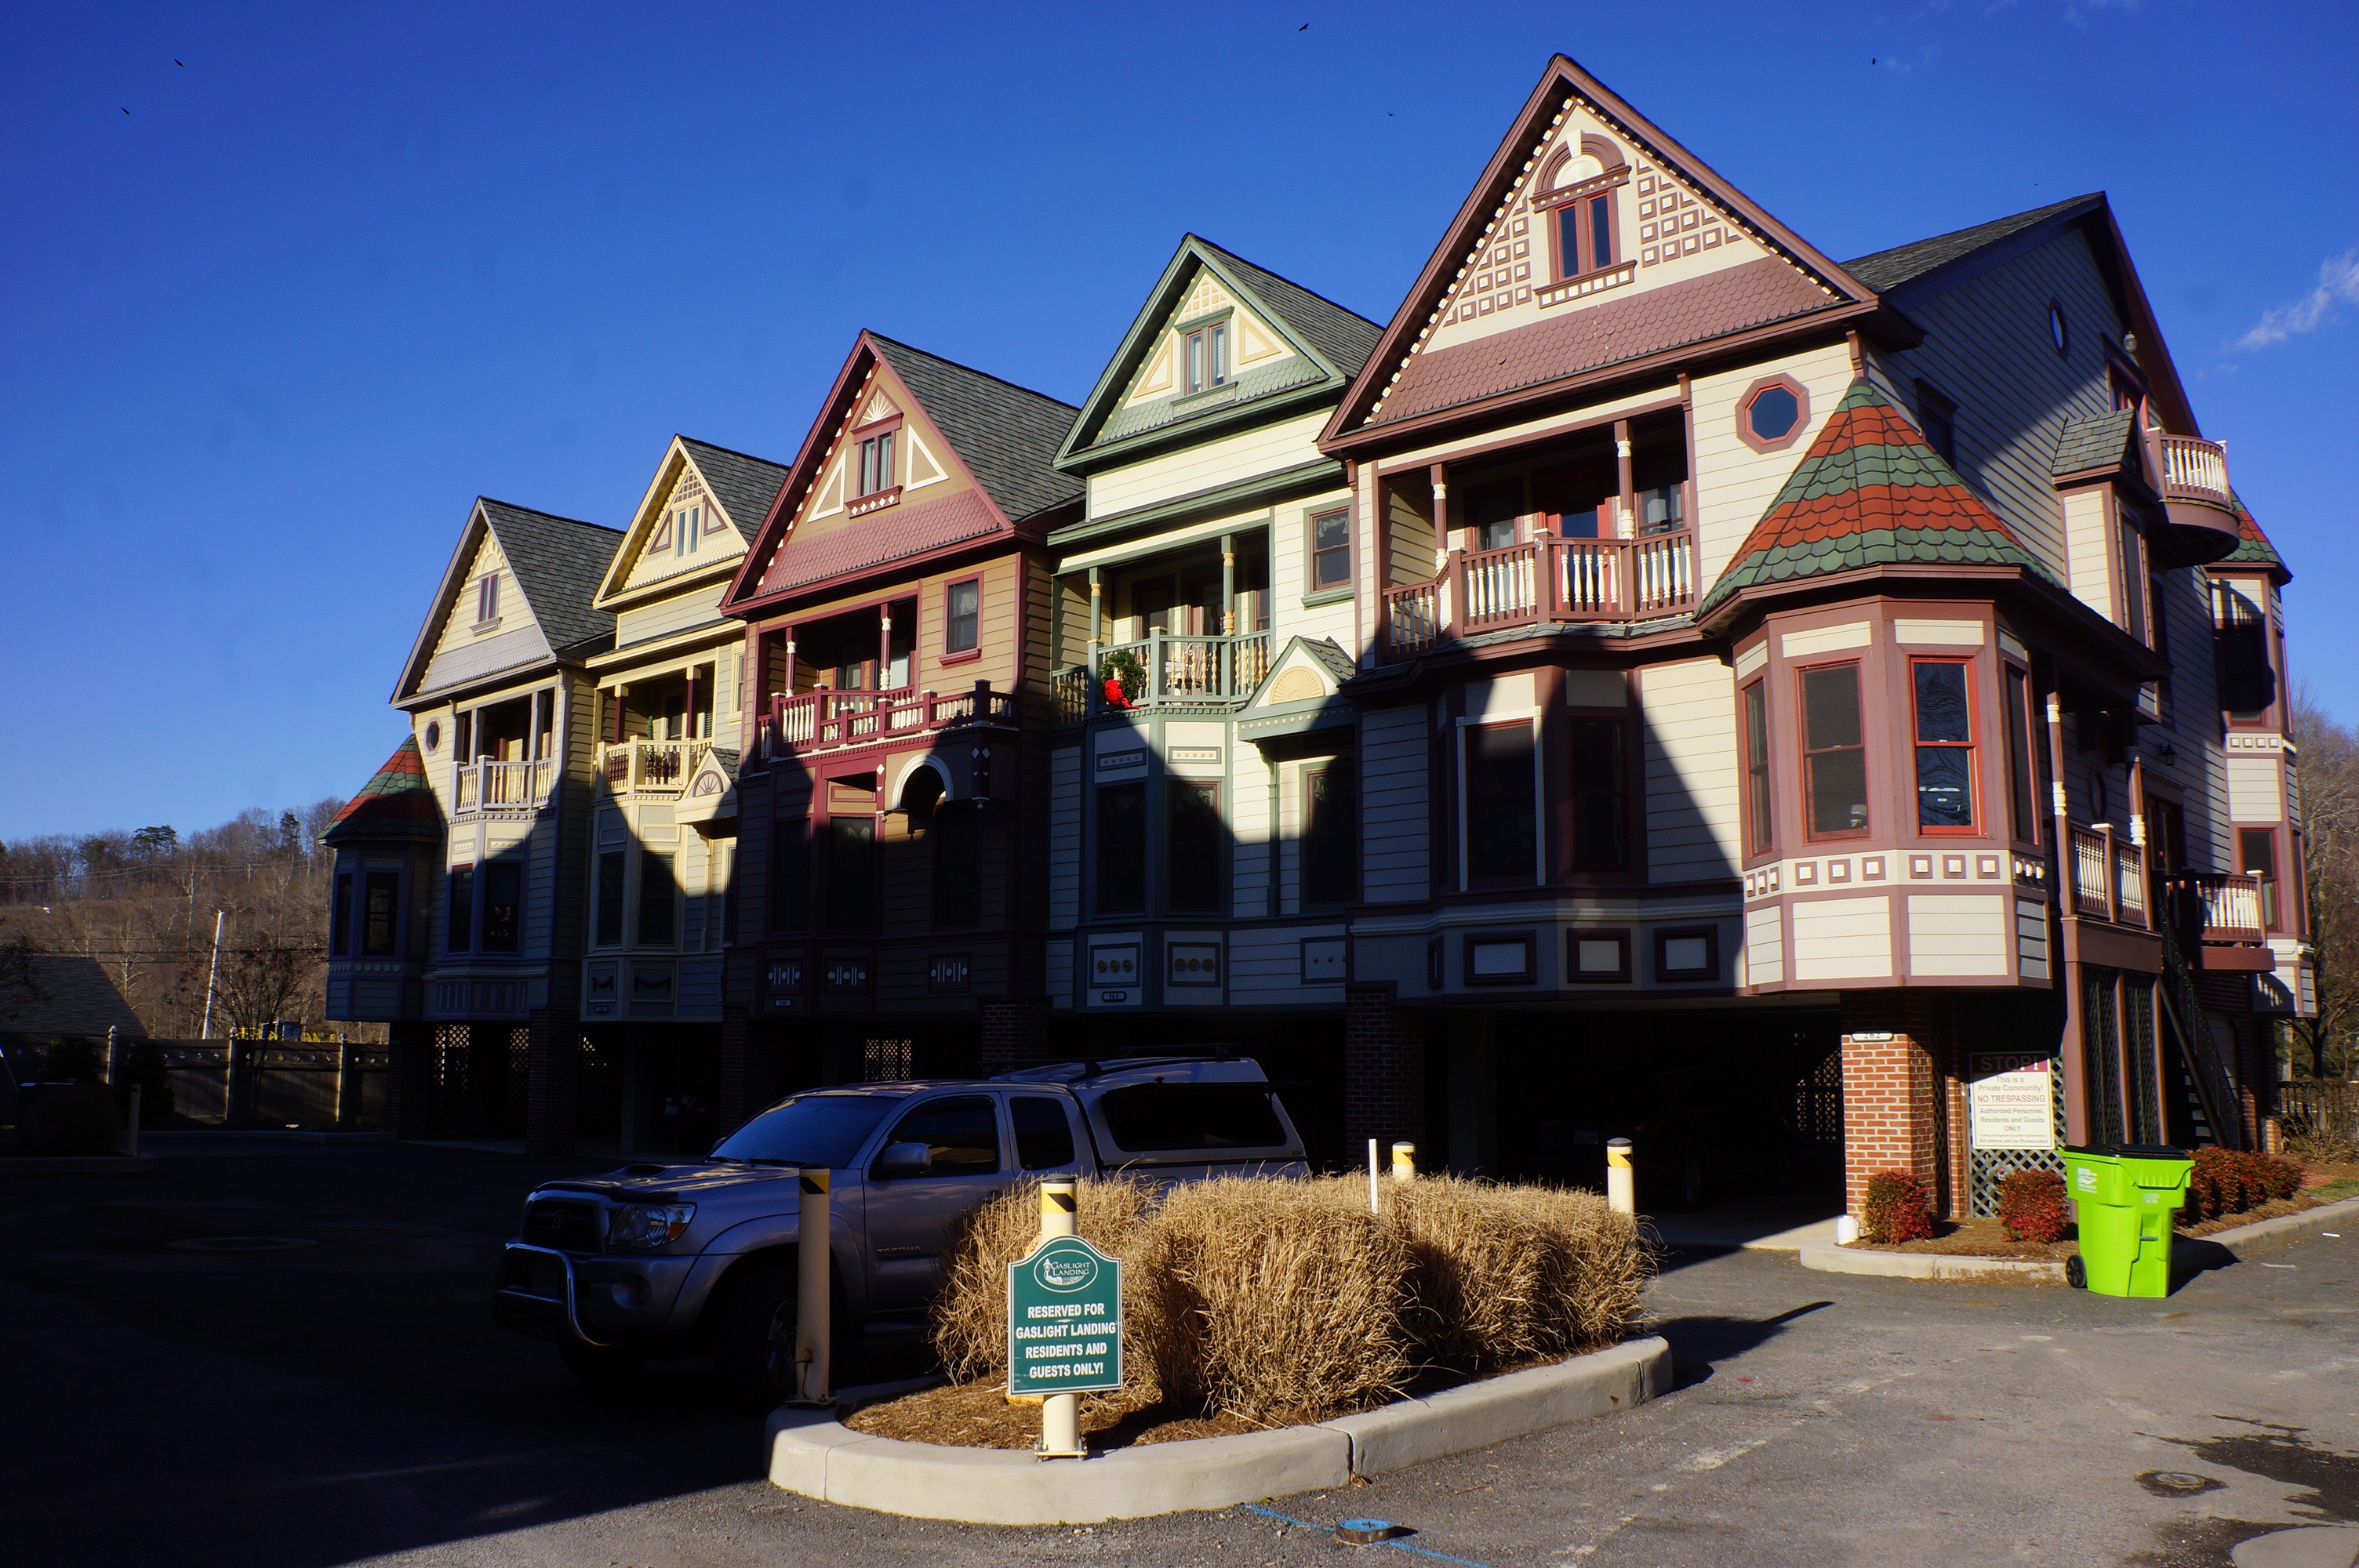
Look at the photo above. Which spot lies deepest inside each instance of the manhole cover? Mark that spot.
(2177, 1483)
(241, 1244)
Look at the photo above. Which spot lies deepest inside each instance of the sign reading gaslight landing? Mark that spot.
(1064, 1319)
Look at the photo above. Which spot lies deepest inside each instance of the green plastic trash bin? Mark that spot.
(2125, 1197)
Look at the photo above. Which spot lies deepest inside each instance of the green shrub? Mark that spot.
(72, 1118)
(2031, 1206)
(1897, 1209)
(74, 1060)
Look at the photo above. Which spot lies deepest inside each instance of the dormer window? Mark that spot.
(688, 530)
(1585, 241)
(1208, 357)
(487, 598)
(877, 463)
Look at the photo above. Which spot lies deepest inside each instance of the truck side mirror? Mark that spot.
(905, 1160)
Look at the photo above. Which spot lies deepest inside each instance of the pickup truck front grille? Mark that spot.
(567, 1227)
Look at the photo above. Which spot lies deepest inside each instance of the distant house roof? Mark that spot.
(1884, 270)
(745, 485)
(73, 995)
(1869, 492)
(1007, 434)
(2093, 441)
(397, 802)
(557, 562)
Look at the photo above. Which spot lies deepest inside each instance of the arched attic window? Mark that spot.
(1582, 187)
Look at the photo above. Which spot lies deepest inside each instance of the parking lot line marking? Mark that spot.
(1403, 1545)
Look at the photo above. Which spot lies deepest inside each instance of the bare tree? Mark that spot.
(2328, 814)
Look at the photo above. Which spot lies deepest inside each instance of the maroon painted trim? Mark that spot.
(1528, 975)
(1665, 935)
(1537, 439)
(1745, 431)
(1574, 935)
(1972, 745)
(1857, 665)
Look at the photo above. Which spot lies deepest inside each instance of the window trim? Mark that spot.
(1574, 935)
(487, 601)
(484, 905)
(1759, 792)
(1218, 341)
(1526, 976)
(1971, 746)
(1311, 586)
(1349, 831)
(1934, 404)
(1467, 880)
(340, 916)
(1630, 787)
(1802, 732)
(2022, 745)
(974, 649)
(1759, 443)
(450, 907)
(394, 942)
(1665, 935)
(856, 461)
(1098, 904)
(2060, 328)
(1174, 786)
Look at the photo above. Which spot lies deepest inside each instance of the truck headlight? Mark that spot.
(649, 1224)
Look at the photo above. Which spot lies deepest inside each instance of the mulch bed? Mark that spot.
(978, 1415)
(1978, 1238)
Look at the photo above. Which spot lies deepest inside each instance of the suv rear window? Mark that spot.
(1169, 1118)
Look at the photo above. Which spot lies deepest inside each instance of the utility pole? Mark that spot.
(213, 974)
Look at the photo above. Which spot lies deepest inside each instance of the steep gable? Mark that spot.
(1592, 239)
(1218, 337)
(703, 506)
(911, 454)
(1869, 492)
(547, 569)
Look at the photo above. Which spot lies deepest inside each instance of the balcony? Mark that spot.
(2219, 917)
(1165, 671)
(660, 768)
(485, 787)
(805, 724)
(1543, 581)
(2200, 508)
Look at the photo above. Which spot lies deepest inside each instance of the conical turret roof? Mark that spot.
(397, 802)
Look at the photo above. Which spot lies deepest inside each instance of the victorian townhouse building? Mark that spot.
(1767, 661)
(1201, 765)
(892, 807)
(457, 919)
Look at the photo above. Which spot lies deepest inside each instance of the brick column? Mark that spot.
(409, 1079)
(742, 1081)
(553, 1077)
(1384, 1073)
(1014, 1034)
(1889, 1112)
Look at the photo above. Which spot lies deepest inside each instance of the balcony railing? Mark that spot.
(2230, 903)
(645, 767)
(2195, 469)
(1542, 581)
(2109, 882)
(1167, 670)
(488, 785)
(833, 720)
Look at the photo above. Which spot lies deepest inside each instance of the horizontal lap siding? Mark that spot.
(1691, 761)
(1269, 449)
(1842, 938)
(1249, 804)
(1396, 829)
(1266, 965)
(1958, 934)
(1987, 346)
(1290, 578)
(1735, 484)
(677, 613)
(1064, 836)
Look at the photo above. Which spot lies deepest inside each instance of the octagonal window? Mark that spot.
(1773, 412)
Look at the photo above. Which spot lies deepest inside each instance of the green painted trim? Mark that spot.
(1330, 596)
(1210, 425)
(1262, 490)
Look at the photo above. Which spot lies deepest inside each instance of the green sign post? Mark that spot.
(1064, 1319)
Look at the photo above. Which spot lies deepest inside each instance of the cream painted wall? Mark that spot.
(1268, 449)
(1735, 484)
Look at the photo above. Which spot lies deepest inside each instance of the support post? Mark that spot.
(1620, 1181)
(1061, 1414)
(1097, 619)
(1627, 526)
(1441, 472)
(1228, 585)
(814, 1244)
(2067, 925)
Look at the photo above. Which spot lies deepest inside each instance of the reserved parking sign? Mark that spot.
(1064, 1319)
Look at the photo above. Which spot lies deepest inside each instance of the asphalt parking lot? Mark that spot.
(344, 1398)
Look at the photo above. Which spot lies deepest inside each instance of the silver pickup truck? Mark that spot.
(700, 1257)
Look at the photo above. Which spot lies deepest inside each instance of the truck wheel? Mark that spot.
(602, 1366)
(753, 1333)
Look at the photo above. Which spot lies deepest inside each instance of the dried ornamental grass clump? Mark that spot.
(971, 1311)
(1897, 1209)
(1509, 1274)
(2031, 1206)
(1275, 1302)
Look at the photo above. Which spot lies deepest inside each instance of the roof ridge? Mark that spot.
(970, 370)
(732, 451)
(1269, 272)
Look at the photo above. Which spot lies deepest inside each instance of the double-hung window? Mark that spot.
(609, 933)
(487, 598)
(2257, 855)
(1192, 841)
(1584, 235)
(1945, 745)
(1122, 849)
(2023, 811)
(963, 617)
(790, 876)
(502, 907)
(1502, 825)
(1835, 753)
(460, 936)
(958, 863)
(689, 531)
(1331, 549)
(1329, 844)
(1760, 826)
(850, 873)
(658, 900)
(877, 463)
(381, 915)
(1599, 784)
(340, 920)
(1207, 351)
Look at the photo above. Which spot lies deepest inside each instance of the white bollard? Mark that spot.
(1404, 1161)
(1061, 1414)
(813, 1242)
(1372, 1176)
(1620, 1181)
(131, 1139)
(1846, 1230)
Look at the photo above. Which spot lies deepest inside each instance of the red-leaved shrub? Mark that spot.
(2031, 1206)
(2230, 1181)
(1897, 1209)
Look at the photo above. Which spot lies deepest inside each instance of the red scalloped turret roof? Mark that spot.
(397, 802)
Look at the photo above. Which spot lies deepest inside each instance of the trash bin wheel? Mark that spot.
(2076, 1274)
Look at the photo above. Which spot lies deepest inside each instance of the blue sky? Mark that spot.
(338, 270)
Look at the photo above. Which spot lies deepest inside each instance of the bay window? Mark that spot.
(1834, 754)
(1941, 694)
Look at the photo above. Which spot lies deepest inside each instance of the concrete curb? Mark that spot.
(76, 1165)
(1827, 1258)
(819, 1457)
(2262, 1233)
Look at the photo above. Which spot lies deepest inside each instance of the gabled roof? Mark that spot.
(2252, 547)
(745, 484)
(1397, 355)
(1903, 265)
(1331, 343)
(2095, 441)
(397, 802)
(1002, 436)
(1007, 434)
(557, 561)
(1869, 492)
